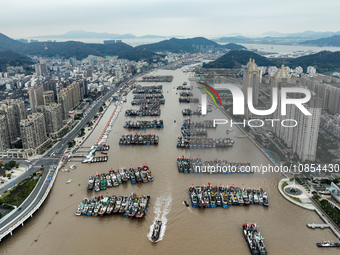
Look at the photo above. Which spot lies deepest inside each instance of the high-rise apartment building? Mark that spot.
(33, 131)
(15, 111)
(69, 98)
(41, 69)
(4, 136)
(36, 98)
(48, 97)
(251, 79)
(53, 117)
(303, 137)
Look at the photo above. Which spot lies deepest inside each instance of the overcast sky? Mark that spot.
(22, 18)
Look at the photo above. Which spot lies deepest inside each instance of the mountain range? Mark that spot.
(191, 45)
(329, 41)
(75, 49)
(324, 61)
(235, 59)
(79, 34)
(81, 50)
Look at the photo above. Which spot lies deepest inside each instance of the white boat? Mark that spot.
(70, 180)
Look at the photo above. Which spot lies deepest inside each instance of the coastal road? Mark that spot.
(59, 148)
(47, 162)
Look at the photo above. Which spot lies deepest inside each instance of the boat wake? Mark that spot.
(161, 209)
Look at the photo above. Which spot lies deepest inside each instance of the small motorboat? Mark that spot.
(69, 181)
(185, 202)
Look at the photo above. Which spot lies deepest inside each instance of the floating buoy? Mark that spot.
(49, 222)
(71, 195)
(36, 240)
(56, 212)
(78, 184)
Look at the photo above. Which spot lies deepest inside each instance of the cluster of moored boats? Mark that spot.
(254, 239)
(194, 131)
(149, 98)
(148, 90)
(142, 111)
(158, 78)
(102, 147)
(151, 101)
(133, 206)
(195, 165)
(203, 142)
(116, 177)
(139, 139)
(188, 100)
(98, 159)
(186, 94)
(198, 124)
(186, 97)
(141, 124)
(183, 88)
(189, 112)
(213, 196)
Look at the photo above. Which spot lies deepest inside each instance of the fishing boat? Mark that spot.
(248, 233)
(327, 244)
(79, 210)
(91, 183)
(156, 231)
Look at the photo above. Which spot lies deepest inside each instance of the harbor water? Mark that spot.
(54, 228)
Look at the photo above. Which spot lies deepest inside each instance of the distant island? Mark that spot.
(274, 37)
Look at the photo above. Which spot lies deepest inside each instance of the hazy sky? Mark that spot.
(22, 18)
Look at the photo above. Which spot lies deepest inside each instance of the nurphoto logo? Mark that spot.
(239, 103)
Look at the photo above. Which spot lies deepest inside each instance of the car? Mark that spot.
(19, 208)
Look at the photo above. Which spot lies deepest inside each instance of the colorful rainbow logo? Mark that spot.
(209, 93)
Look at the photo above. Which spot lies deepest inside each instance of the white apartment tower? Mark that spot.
(251, 79)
